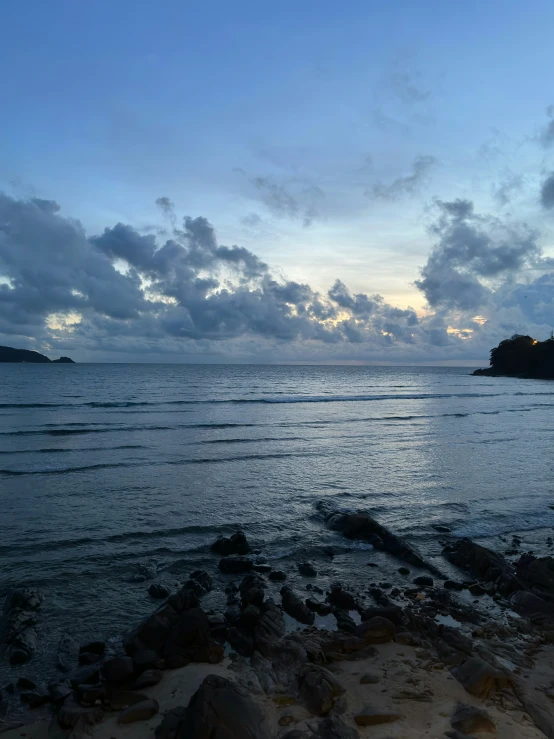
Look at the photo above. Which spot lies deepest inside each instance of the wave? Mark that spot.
(56, 450)
(49, 470)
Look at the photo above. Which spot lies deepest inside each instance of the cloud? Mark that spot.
(507, 187)
(305, 204)
(471, 253)
(547, 192)
(404, 186)
(124, 294)
(547, 134)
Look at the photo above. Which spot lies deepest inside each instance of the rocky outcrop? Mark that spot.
(179, 632)
(480, 678)
(296, 607)
(9, 354)
(235, 544)
(219, 708)
(318, 689)
(362, 526)
(17, 625)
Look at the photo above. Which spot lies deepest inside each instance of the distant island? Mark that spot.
(9, 354)
(522, 356)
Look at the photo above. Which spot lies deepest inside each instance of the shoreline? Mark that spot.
(424, 647)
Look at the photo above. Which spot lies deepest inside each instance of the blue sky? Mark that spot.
(293, 127)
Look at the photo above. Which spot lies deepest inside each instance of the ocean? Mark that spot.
(108, 469)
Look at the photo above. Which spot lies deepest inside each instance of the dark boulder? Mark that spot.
(538, 574)
(118, 670)
(318, 689)
(139, 712)
(377, 630)
(71, 715)
(234, 564)
(363, 526)
(17, 623)
(341, 598)
(190, 640)
(270, 628)
(93, 647)
(277, 575)
(424, 581)
(295, 607)
(235, 544)
(307, 569)
(159, 590)
(480, 678)
(251, 590)
(241, 641)
(145, 659)
(202, 577)
(85, 675)
(219, 708)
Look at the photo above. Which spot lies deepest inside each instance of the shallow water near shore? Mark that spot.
(107, 467)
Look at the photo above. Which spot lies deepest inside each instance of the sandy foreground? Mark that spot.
(403, 680)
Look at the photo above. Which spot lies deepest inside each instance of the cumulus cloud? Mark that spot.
(408, 185)
(473, 251)
(129, 294)
(547, 192)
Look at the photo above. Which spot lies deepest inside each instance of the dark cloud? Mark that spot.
(408, 185)
(471, 252)
(168, 209)
(547, 192)
(128, 294)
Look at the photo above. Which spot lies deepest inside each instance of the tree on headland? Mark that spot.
(522, 356)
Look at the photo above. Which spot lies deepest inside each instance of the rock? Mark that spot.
(484, 564)
(219, 708)
(93, 647)
(190, 640)
(529, 604)
(318, 688)
(171, 723)
(296, 734)
(145, 659)
(424, 581)
(441, 529)
(333, 727)
(203, 579)
(143, 573)
(477, 589)
(341, 598)
(89, 694)
(345, 622)
(377, 630)
(453, 585)
(369, 678)
(406, 638)
(10, 725)
(392, 613)
(469, 719)
(270, 628)
(139, 712)
(362, 526)
(240, 641)
(295, 607)
(323, 609)
(479, 678)
(88, 658)
(286, 719)
(158, 590)
(249, 617)
(72, 714)
(403, 571)
(24, 683)
(236, 544)
(121, 699)
(233, 564)
(252, 590)
(85, 675)
(148, 678)
(277, 575)
(373, 715)
(34, 698)
(118, 670)
(58, 691)
(307, 569)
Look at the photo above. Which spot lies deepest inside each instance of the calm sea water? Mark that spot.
(107, 467)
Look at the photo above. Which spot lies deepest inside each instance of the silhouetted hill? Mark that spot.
(9, 354)
(522, 356)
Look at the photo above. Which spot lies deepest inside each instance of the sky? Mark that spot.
(276, 182)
